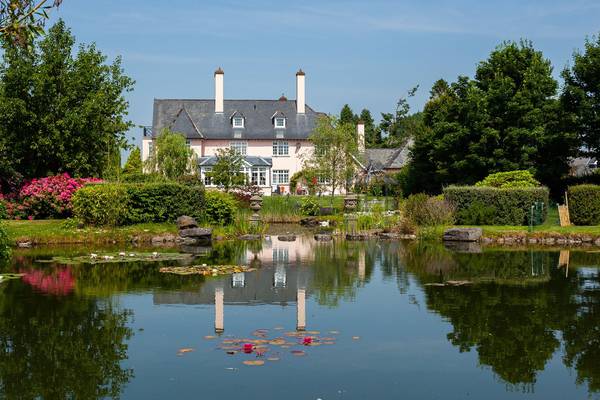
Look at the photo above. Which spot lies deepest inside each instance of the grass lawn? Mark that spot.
(57, 231)
(551, 226)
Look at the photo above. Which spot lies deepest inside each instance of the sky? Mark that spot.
(364, 53)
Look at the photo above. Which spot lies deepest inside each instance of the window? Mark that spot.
(238, 122)
(281, 148)
(188, 143)
(240, 146)
(279, 277)
(281, 176)
(279, 122)
(238, 280)
(259, 176)
(322, 180)
(207, 178)
(151, 147)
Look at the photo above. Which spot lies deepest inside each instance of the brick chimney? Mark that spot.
(219, 74)
(300, 92)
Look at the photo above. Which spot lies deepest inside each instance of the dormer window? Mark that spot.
(279, 122)
(238, 122)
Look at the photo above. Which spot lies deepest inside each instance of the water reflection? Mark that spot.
(520, 309)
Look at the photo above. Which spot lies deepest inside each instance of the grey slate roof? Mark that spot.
(387, 158)
(197, 119)
(254, 161)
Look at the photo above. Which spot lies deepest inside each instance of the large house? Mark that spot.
(272, 135)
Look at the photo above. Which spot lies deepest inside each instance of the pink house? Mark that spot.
(272, 135)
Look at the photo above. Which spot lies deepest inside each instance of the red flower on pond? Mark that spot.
(60, 282)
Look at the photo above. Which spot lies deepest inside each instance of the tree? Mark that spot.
(334, 148)
(171, 156)
(347, 116)
(59, 112)
(580, 96)
(507, 118)
(400, 125)
(227, 171)
(372, 133)
(23, 20)
(134, 162)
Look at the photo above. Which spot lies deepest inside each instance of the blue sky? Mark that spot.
(364, 53)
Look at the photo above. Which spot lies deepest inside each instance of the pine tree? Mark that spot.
(134, 162)
(347, 116)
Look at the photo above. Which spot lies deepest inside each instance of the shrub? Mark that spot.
(3, 212)
(243, 193)
(163, 202)
(476, 214)
(510, 179)
(512, 206)
(420, 209)
(4, 243)
(104, 204)
(47, 197)
(219, 208)
(122, 204)
(310, 206)
(584, 204)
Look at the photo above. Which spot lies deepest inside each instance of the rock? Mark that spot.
(550, 240)
(196, 232)
(197, 250)
(462, 234)
(250, 237)
(408, 236)
(532, 240)
(168, 238)
(586, 239)
(309, 221)
(487, 240)
(356, 236)
(597, 242)
(185, 222)
(388, 235)
(286, 238)
(24, 245)
(561, 241)
(321, 237)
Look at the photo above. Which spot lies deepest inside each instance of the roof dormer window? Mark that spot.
(238, 122)
(280, 122)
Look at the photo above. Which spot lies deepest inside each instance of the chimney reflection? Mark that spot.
(301, 310)
(219, 296)
(362, 265)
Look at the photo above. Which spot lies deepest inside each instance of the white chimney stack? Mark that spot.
(360, 136)
(219, 74)
(300, 92)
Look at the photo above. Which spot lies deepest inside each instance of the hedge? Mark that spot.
(495, 206)
(584, 204)
(123, 204)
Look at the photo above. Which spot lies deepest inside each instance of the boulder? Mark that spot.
(250, 237)
(463, 247)
(185, 222)
(196, 232)
(462, 234)
(356, 236)
(309, 221)
(286, 238)
(321, 237)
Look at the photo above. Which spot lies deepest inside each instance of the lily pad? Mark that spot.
(207, 270)
(254, 362)
(298, 353)
(107, 258)
(184, 351)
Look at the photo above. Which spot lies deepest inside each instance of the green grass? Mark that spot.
(58, 232)
(550, 227)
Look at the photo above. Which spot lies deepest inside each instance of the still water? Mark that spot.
(526, 326)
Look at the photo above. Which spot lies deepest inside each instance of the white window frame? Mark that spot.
(280, 119)
(241, 146)
(277, 174)
(236, 120)
(207, 180)
(188, 143)
(281, 148)
(261, 176)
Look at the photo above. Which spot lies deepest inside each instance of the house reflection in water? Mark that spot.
(282, 279)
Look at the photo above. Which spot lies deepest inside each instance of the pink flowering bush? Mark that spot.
(46, 197)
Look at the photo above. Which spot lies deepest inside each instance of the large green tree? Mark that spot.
(400, 125)
(171, 157)
(23, 20)
(134, 163)
(507, 118)
(227, 171)
(335, 149)
(580, 96)
(347, 116)
(372, 132)
(61, 112)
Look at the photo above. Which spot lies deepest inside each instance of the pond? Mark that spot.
(341, 320)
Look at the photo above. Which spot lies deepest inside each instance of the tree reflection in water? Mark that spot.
(518, 310)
